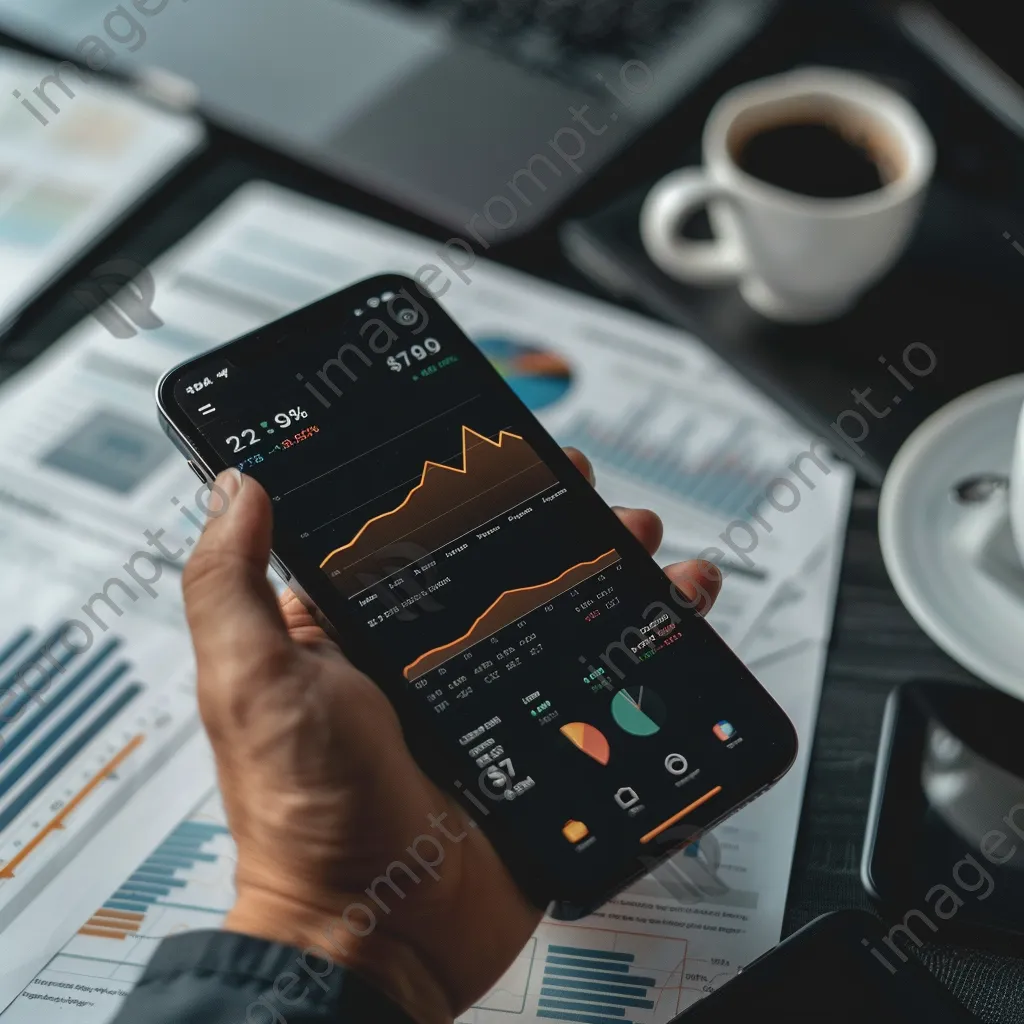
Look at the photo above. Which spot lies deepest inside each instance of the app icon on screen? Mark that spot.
(725, 730)
(575, 831)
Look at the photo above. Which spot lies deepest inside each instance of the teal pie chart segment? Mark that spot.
(638, 710)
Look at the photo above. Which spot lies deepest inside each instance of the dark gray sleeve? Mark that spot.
(224, 978)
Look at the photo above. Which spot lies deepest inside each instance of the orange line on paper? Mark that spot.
(57, 822)
(103, 933)
(109, 925)
(120, 915)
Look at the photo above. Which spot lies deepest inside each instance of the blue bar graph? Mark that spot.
(172, 862)
(49, 705)
(161, 877)
(592, 986)
(41, 657)
(67, 754)
(723, 480)
(51, 739)
(16, 642)
(142, 878)
(134, 908)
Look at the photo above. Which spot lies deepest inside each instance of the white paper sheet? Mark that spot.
(86, 723)
(99, 872)
(66, 183)
(710, 457)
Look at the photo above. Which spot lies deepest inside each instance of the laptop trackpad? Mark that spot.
(470, 134)
(293, 70)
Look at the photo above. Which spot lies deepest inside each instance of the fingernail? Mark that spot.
(230, 482)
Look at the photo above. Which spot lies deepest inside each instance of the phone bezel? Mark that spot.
(888, 803)
(263, 343)
(848, 935)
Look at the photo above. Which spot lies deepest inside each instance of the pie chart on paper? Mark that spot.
(538, 376)
(589, 739)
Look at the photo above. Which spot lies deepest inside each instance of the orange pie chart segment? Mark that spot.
(590, 740)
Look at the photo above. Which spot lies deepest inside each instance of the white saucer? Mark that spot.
(953, 565)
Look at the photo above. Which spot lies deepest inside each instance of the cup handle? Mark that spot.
(669, 203)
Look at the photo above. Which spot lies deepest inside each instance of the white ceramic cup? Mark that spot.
(795, 257)
(1017, 490)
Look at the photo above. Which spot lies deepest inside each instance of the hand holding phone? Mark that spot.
(543, 669)
(344, 845)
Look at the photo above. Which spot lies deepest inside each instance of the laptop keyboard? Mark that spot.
(564, 37)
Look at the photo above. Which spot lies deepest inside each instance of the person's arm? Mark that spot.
(349, 856)
(213, 977)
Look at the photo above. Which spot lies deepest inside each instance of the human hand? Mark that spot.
(345, 847)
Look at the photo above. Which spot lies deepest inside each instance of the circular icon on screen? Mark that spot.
(676, 764)
(407, 317)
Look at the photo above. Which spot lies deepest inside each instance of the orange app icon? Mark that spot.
(575, 831)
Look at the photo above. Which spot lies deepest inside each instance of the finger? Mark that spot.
(699, 582)
(303, 625)
(296, 615)
(230, 605)
(644, 525)
(581, 462)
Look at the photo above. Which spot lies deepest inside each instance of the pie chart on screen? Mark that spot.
(638, 710)
(539, 377)
(590, 740)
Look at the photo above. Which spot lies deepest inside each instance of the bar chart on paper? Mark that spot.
(80, 725)
(185, 884)
(589, 975)
(721, 465)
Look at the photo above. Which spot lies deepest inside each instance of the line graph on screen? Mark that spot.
(488, 477)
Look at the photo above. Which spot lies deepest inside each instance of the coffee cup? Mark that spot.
(1016, 488)
(813, 181)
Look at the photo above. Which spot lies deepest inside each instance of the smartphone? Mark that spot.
(945, 834)
(544, 668)
(839, 969)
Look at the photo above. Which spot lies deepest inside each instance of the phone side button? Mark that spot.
(198, 472)
(278, 566)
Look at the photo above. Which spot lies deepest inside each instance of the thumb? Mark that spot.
(232, 610)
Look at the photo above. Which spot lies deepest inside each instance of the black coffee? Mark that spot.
(811, 158)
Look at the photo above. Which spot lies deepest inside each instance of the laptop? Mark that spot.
(482, 115)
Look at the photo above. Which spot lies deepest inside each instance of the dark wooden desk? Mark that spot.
(875, 645)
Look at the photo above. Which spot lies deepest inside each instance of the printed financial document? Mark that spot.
(66, 181)
(666, 424)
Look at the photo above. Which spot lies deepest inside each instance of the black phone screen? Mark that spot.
(843, 968)
(947, 831)
(575, 699)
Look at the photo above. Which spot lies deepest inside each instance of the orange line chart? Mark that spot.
(448, 501)
(509, 606)
(57, 822)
